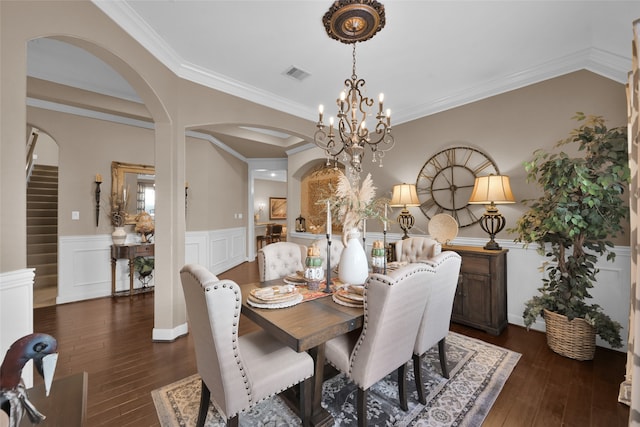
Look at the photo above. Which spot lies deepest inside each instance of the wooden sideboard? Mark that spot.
(129, 252)
(481, 297)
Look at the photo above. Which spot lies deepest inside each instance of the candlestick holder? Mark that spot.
(384, 245)
(98, 202)
(327, 288)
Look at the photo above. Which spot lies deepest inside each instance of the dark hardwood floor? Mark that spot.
(110, 338)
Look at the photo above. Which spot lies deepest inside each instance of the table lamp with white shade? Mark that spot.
(405, 195)
(492, 190)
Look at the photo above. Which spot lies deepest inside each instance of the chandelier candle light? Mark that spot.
(491, 190)
(349, 22)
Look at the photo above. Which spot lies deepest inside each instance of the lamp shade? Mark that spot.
(404, 195)
(492, 189)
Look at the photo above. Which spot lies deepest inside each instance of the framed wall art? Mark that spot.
(277, 208)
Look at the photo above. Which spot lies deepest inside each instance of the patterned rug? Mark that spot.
(478, 371)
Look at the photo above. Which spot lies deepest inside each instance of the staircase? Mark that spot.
(42, 229)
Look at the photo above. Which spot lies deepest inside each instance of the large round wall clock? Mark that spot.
(446, 180)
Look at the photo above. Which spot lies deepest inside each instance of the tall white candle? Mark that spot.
(385, 217)
(328, 220)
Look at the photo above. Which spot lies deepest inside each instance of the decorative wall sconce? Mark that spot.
(260, 209)
(186, 197)
(98, 181)
(405, 195)
(491, 190)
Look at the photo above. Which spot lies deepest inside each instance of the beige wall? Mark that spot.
(264, 189)
(217, 187)
(508, 127)
(46, 151)
(87, 147)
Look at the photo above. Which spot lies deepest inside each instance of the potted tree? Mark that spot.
(581, 207)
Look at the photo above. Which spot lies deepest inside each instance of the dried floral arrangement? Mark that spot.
(351, 203)
(119, 204)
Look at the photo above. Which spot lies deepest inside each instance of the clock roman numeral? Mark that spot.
(482, 166)
(451, 157)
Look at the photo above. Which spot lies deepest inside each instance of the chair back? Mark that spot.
(213, 308)
(393, 307)
(437, 315)
(276, 233)
(416, 249)
(336, 251)
(280, 259)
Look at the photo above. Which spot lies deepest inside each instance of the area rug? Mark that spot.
(478, 371)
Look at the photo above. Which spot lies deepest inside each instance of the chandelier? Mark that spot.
(352, 21)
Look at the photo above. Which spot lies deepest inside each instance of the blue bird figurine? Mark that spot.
(41, 348)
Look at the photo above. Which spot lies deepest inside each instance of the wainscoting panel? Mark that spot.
(228, 249)
(196, 249)
(612, 292)
(84, 269)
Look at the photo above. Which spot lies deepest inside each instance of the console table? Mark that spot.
(129, 252)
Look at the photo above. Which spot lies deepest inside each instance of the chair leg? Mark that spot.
(362, 407)
(443, 358)
(306, 391)
(205, 397)
(233, 422)
(402, 387)
(417, 374)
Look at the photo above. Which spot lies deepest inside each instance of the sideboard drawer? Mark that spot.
(143, 250)
(475, 264)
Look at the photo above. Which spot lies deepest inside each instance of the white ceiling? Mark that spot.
(430, 57)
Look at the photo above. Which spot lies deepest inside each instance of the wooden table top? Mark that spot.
(305, 325)
(66, 404)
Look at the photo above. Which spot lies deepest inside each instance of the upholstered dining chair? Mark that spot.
(237, 372)
(336, 251)
(280, 259)
(393, 307)
(415, 249)
(434, 326)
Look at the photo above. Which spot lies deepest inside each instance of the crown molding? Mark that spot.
(606, 64)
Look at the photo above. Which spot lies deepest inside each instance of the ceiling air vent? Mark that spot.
(296, 73)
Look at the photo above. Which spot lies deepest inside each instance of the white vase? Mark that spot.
(119, 236)
(353, 268)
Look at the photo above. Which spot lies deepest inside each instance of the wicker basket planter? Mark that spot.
(575, 339)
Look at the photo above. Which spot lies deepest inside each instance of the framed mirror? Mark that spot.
(135, 185)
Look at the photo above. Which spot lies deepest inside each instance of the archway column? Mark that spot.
(169, 314)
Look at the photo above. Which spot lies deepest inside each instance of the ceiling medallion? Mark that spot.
(352, 21)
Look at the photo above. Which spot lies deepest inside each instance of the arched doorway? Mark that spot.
(42, 215)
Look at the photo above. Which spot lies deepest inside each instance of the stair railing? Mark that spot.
(31, 148)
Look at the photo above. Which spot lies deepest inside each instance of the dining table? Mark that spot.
(306, 326)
